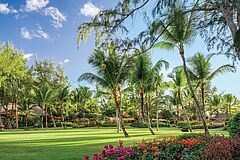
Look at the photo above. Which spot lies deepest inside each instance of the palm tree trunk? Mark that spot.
(117, 121)
(142, 103)
(1, 124)
(119, 113)
(42, 117)
(203, 98)
(16, 113)
(198, 107)
(148, 116)
(157, 118)
(53, 120)
(46, 117)
(26, 120)
(62, 116)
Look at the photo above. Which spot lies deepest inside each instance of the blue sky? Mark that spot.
(48, 29)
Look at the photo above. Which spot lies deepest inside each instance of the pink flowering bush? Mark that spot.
(109, 152)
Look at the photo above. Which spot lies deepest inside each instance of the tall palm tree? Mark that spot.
(178, 29)
(44, 97)
(112, 70)
(144, 74)
(202, 72)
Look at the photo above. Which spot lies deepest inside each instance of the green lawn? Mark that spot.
(71, 144)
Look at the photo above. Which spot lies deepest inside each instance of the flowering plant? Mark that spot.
(189, 146)
(109, 152)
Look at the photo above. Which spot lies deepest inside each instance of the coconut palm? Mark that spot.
(44, 97)
(112, 71)
(230, 101)
(215, 104)
(80, 96)
(62, 98)
(144, 74)
(201, 71)
(178, 84)
(177, 29)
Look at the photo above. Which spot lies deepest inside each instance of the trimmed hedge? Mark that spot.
(144, 125)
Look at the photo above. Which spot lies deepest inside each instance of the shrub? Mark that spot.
(234, 125)
(154, 124)
(222, 148)
(68, 124)
(107, 125)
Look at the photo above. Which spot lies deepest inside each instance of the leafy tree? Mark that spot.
(12, 70)
(112, 70)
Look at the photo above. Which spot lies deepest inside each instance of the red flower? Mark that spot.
(154, 148)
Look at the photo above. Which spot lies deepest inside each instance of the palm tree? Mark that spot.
(44, 97)
(178, 84)
(112, 70)
(215, 104)
(62, 100)
(160, 88)
(80, 96)
(230, 100)
(25, 107)
(201, 72)
(144, 74)
(178, 28)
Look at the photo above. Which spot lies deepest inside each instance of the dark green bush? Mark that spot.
(154, 124)
(107, 125)
(68, 124)
(234, 125)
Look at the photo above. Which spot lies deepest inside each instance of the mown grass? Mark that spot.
(72, 144)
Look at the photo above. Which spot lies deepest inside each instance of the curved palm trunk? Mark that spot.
(148, 116)
(198, 107)
(119, 113)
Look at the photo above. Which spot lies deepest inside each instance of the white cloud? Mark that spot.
(66, 60)
(89, 9)
(28, 56)
(5, 9)
(25, 33)
(39, 33)
(57, 16)
(35, 5)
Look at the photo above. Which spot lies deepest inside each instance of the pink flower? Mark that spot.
(121, 158)
(86, 157)
(111, 146)
(106, 147)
